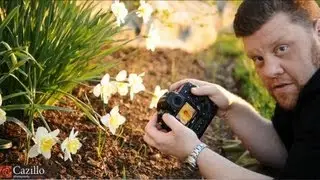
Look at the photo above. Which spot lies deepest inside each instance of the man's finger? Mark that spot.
(152, 122)
(172, 122)
(149, 140)
(207, 90)
(151, 128)
(176, 85)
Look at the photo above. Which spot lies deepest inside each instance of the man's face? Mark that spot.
(284, 55)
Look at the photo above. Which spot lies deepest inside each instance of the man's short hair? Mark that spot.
(252, 14)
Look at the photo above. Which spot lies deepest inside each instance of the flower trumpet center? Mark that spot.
(46, 144)
(113, 122)
(73, 146)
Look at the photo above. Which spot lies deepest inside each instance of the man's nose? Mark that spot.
(272, 67)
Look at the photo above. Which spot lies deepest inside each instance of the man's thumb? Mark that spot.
(171, 121)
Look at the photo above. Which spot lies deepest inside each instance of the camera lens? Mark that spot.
(177, 101)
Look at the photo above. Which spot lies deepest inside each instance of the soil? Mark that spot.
(125, 155)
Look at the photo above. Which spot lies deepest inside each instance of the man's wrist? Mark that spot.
(191, 160)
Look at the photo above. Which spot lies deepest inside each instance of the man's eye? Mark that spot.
(257, 58)
(280, 50)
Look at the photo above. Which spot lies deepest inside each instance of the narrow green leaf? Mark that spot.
(21, 124)
(5, 144)
(6, 21)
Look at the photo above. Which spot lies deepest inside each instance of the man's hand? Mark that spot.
(244, 121)
(220, 96)
(179, 142)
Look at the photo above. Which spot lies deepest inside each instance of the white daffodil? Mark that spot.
(113, 120)
(122, 87)
(3, 117)
(106, 89)
(135, 83)
(145, 10)
(156, 96)
(120, 11)
(43, 142)
(153, 38)
(70, 145)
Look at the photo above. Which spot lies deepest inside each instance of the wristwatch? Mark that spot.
(191, 160)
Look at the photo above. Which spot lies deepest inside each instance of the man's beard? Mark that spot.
(288, 100)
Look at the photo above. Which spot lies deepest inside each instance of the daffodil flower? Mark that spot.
(3, 117)
(153, 38)
(113, 120)
(105, 88)
(120, 11)
(43, 142)
(145, 10)
(156, 96)
(122, 87)
(135, 83)
(70, 145)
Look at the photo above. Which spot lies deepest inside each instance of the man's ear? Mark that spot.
(316, 26)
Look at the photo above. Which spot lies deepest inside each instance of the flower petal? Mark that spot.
(104, 119)
(122, 75)
(105, 79)
(72, 134)
(47, 154)
(33, 152)
(54, 133)
(64, 144)
(41, 132)
(114, 111)
(121, 119)
(67, 156)
(0, 100)
(97, 90)
(153, 103)
(112, 130)
(3, 117)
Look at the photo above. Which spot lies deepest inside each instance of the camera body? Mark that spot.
(195, 112)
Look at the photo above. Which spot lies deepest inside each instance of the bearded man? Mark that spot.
(282, 38)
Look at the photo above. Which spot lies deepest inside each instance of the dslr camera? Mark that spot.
(195, 112)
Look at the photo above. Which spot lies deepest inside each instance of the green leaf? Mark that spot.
(13, 95)
(21, 124)
(56, 108)
(6, 21)
(5, 144)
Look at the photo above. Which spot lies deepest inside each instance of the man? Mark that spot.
(282, 37)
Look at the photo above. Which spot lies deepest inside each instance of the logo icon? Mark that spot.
(5, 172)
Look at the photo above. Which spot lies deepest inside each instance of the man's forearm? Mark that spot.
(214, 166)
(256, 133)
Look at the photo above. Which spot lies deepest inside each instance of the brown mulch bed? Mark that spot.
(125, 155)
